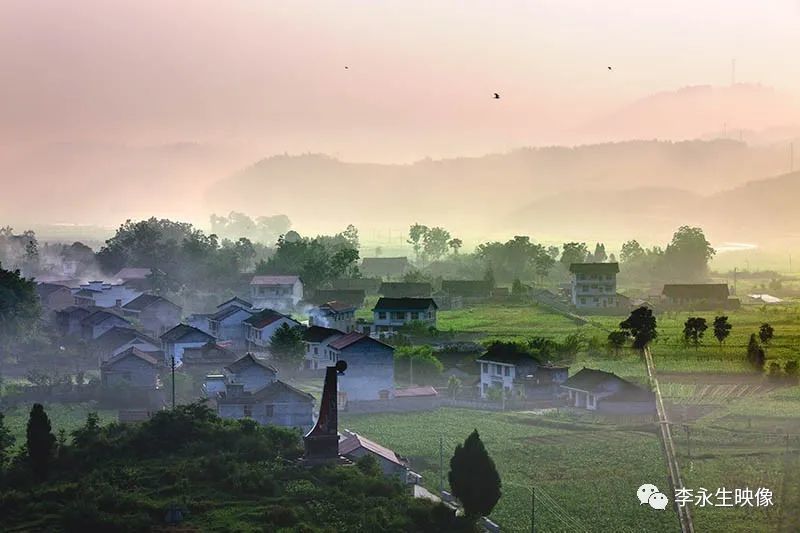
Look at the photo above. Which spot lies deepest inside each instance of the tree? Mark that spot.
(693, 330)
(453, 386)
(631, 251)
(791, 369)
(765, 333)
(455, 245)
(488, 277)
(6, 441)
(542, 265)
(722, 328)
(641, 325)
(473, 478)
(688, 254)
(20, 310)
(286, 346)
(617, 340)
(518, 289)
(435, 243)
(755, 353)
(40, 442)
(419, 361)
(574, 252)
(416, 234)
(600, 255)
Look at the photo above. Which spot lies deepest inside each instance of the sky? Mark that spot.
(240, 79)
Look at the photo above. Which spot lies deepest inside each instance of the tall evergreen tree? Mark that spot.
(40, 441)
(473, 478)
(6, 441)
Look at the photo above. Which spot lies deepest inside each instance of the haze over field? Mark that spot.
(144, 108)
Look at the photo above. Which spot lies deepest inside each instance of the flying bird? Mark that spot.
(496, 96)
(346, 67)
(609, 68)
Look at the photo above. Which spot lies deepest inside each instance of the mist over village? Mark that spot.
(399, 266)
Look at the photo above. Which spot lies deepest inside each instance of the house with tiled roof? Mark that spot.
(597, 390)
(354, 297)
(699, 296)
(102, 294)
(155, 314)
(402, 289)
(131, 368)
(68, 320)
(276, 403)
(54, 297)
(251, 372)
(354, 446)
(228, 323)
(276, 292)
(385, 267)
(182, 336)
(390, 314)
(210, 358)
(370, 367)
(470, 290)
(334, 314)
(594, 285)
(239, 302)
(318, 353)
(118, 339)
(262, 326)
(100, 321)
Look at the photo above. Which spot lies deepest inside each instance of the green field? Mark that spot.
(62, 416)
(590, 472)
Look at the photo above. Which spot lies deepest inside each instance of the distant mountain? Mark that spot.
(692, 112)
(476, 192)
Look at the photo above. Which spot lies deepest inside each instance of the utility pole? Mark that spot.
(533, 509)
(410, 370)
(441, 465)
(173, 382)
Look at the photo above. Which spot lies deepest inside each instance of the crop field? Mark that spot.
(586, 475)
(62, 416)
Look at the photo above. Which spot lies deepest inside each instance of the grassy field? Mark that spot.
(62, 416)
(586, 474)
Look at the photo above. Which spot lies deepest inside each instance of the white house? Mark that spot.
(228, 324)
(594, 285)
(317, 341)
(182, 336)
(390, 314)
(101, 294)
(370, 368)
(513, 371)
(597, 390)
(276, 292)
(336, 315)
(262, 326)
(275, 404)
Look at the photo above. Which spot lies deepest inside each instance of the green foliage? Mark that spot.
(40, 443)
(6, 442)
(693, 330)
(19, 309)
(765, 333)
(263, 229)
(473, 478)
(756, 356)
(688, 254)
(791, 369)
(641, 325)
(369, 465)
(617, 340)
(574, 252)
(517, 258)
(722, 328)
(286, 346)
(453, 386)
(420, 360)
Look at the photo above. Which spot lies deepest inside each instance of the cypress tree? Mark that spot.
(473, 478)
(40, 441)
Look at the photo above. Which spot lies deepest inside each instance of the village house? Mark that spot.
(594, 285)
(54, 297)
(370, 368)
(118, 339)
(136, 278)
(385, 267)
(131, 368)
(518, 372)
(470, 291)
(251, 372)
(235, 301)
(182, 336)
(210, 358)
(100, 321)
(68, 320)
(597, 390)
(699, 296)
(262, 326)
(368, 285)
(390, 314)
(354, 297)
(354, 446)
(101, 294)
(397, 289)
(336, 315)
(199, 321)
(276, 292)
(155, 314)
(276, 404)
(229, 323)
(318, 354)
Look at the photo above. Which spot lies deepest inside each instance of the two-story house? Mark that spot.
(277, 404)
(318, 352)
(228, 323)
(336, 315)
(131, 368)
(594, 285)
(370, 368)
(276, 292)
(512, 370)
(118, 339)
(155, 314)
(390, 314)
(182, 336)
(262, 326)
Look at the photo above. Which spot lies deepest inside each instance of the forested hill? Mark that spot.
(477, 190)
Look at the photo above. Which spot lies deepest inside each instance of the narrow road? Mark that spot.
(675, 480)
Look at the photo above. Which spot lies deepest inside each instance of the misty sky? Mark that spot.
(247, 79)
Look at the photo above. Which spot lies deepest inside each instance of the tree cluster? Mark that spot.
(684, 259)
(265, 230)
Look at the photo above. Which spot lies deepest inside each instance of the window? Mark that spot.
(485, 368)
(269, 410)
(248, 411)
(414, 315)
(316, 350)
(382, 315)
(506, 371)
(485, 387)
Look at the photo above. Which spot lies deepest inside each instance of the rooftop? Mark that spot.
(131, 352)
(319, 333)
(247, 360)
(712, 291)
(265, 317)
(274, 280)
(405, 304)
(143, 301)
(350, 442)
(180, 331)
(594, 268)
